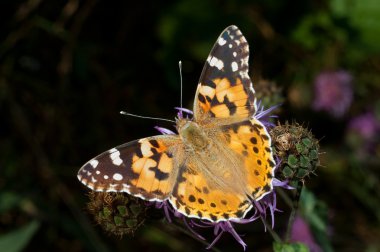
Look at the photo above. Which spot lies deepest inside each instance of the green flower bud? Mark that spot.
(298, 150)
(117, 213)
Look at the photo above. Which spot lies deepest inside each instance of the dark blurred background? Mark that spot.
(68, 67)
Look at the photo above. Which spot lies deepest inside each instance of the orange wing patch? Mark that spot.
(143, 168)
(193, 197)
(223, 98)
(252, 142)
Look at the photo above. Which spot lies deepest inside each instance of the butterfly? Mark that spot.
(220, 161)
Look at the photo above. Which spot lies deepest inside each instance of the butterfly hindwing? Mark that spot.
(144, 168)
(194, 196)
(225, 89)
(251, 141)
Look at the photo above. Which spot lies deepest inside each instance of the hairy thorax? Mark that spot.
(193, 135)
(206, 154)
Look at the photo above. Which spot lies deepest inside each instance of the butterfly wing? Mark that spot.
(225, 89)
(145, 168)
(195, 196)
(225, 106)
(251, 142)
(221, 184)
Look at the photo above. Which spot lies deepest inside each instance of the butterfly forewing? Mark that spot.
(225, 89)
(143, 168)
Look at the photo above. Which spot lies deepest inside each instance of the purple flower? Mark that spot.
(333, 92)
(366, 125)
(301, 233)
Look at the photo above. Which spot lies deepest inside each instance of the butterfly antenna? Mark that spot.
(146, 117)
(180, 75)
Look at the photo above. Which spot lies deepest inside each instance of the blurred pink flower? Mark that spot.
(366, 125)
(301, 233)
(333, 92)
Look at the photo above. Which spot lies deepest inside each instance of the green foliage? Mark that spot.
(294, 247)
(316, 214)
(364, 16)
(17, 240)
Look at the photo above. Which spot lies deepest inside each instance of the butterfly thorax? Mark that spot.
(192, 135)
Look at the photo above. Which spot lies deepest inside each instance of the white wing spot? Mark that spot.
(97, 172)
(244, 75)
(221, 41)
(234, 54)
(216, 62)
(117, 176)
(213, 61)
(112, 150)
(230, 45)
(115, 157)
(105, 177)
(93, 180)
(220, 65)
(234, 66)
(94, 163)
(237, 42)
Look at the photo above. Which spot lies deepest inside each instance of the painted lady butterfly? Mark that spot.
(220, 161)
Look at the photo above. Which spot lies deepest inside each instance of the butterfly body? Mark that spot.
(220, 161)
(193, 136)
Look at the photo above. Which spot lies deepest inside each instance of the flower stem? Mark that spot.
(275, 236)
(287, 199)
(294, 210)
(183, 230)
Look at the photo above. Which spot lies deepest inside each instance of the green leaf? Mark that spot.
(315, 213)
(294, 247)
(19, 238)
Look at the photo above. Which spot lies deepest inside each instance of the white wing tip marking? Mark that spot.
(94, 163)
(221, 41)
(115, 157)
